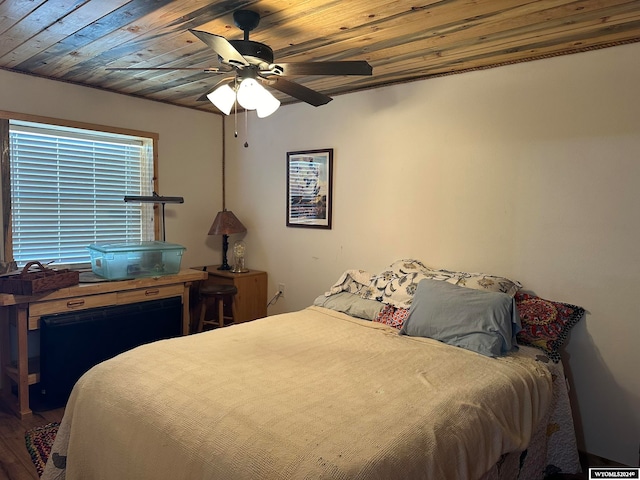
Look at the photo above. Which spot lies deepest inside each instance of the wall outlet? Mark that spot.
(281, 289)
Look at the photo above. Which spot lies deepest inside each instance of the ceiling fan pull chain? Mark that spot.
(246, 128)
(235, 119)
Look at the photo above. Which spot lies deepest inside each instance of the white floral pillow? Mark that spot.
(351, 281)
(491, 283)
(396, 284)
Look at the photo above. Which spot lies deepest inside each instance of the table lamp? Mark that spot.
(225, 224)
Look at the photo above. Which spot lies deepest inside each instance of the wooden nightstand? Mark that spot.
(251, 299)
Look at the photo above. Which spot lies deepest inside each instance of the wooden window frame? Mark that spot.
(5, 166)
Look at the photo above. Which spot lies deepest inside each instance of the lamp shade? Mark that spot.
(249, 93)
(223, 98)
(268, 105)
(253, 96)
(226, 223)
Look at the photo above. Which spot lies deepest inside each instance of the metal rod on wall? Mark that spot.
(155, 198)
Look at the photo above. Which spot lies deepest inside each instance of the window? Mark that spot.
(68, 187)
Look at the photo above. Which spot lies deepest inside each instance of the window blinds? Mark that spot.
(67, 191)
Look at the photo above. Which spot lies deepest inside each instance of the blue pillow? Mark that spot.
(480, 321)
(350, 304)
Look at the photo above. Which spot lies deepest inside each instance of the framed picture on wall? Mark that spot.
(309, 188)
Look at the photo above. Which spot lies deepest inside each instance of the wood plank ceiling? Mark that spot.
(76, 40)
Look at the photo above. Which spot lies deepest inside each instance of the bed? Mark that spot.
(335, 390)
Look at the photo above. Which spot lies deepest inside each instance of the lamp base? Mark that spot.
(225, 247)
(239, 270)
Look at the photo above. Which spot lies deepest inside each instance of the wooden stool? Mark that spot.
(220, 293)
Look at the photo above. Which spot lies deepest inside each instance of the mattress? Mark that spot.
(309, 394)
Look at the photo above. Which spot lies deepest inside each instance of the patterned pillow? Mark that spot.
(397, 284)
(351, 281)
(392, 316)
(488, 283)
(545, 324)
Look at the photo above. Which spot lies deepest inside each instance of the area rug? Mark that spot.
(39, 441)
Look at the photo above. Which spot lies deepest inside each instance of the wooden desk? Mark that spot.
(25, 311)
(251, 299)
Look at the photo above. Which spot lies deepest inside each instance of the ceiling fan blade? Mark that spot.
(222, 47)
(203, 70)
(357, 67)
(299, 91)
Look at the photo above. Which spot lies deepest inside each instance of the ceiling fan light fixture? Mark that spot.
(223, 98)
(253, 96)
(267, 105)
(249, 93)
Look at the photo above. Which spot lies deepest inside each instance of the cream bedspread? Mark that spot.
(311, 394)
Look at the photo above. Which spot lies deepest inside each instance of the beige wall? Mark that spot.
(531, 171)
(189, 159)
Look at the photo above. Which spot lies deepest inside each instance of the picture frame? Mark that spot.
(310, 188)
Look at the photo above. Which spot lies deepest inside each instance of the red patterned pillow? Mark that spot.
(545, 324)
(392, 316)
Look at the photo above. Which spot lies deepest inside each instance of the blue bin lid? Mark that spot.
(134, 246)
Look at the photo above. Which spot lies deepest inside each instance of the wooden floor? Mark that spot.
(15, 462)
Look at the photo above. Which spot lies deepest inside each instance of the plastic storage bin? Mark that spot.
(132, 260)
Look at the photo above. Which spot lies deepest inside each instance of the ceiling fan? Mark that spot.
(253, 64)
